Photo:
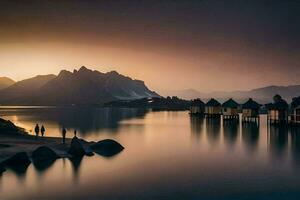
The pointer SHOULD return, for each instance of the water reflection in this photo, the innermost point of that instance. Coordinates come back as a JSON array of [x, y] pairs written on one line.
[[213, 129], [250, 135], [19, 170], [197, 124], [278, 140], [295, 145], [41, 167], [194, 170], [230, 132], [86, 120], [76, 163]]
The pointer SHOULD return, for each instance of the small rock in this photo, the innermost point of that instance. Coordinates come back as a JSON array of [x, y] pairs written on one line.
[[76, 148], [18, 163], [20, 158], [107, 147], [2, 169], [43, 154], [43, 157]]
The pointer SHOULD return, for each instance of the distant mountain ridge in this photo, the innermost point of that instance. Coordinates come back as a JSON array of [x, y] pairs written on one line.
[[81, 86], [5, 82], [263, 94]]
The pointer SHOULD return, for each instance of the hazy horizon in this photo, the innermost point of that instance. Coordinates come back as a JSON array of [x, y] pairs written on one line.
[[204, 45]]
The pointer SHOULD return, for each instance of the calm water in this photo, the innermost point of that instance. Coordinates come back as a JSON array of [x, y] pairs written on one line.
[[168, 155]]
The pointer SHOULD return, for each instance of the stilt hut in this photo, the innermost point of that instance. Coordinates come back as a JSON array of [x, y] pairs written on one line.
[[213, 108], [277, 111], [197, 107], [295, 111], [250, 111], [230, 109]]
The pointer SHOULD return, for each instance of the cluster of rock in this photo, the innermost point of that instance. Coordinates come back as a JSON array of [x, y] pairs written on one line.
[[44, 156], [8, 127]]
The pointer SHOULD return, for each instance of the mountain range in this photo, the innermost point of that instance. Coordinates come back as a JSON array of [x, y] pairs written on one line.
[[83, 86], [5, 82], [263, 94]]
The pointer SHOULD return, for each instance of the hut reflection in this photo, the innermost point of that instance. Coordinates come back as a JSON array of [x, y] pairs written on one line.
[[196, 123], [295, 145], [230, 131], [213, 127], [278, 140], [250, 135]]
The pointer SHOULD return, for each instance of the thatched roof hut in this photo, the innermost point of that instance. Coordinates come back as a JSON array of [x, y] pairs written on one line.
[[213, 108], [250, 110], [278, 110], [295, 102], [251, 105], [229, 109], [230, 104], [295, 110], [197, 102], [197, 107], [213, 103]]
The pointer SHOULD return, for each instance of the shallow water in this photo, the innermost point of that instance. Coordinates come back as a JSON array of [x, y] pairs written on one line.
[[168, 155]]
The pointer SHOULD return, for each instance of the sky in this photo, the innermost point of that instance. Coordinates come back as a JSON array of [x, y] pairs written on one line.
[[207, 45]]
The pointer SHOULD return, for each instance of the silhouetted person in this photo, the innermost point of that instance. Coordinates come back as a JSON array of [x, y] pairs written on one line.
[[43, 130], [64, 133], [75, 133], [37, 130]]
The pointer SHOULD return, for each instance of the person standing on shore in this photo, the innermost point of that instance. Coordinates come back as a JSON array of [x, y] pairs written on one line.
[[64, 133], [43, 130], [37, 130], [75, 133]]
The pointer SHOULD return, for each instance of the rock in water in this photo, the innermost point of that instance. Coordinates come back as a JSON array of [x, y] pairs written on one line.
[[18, 163], [107, 147], [76, 148], [2, 169], [43, 157], [18, 159]]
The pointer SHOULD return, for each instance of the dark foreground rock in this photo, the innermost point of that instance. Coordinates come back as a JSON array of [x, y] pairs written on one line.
[[79, 148], [7, 127], [18, 159], [18, 163], [107, 148], [43, 157], [2, 169]]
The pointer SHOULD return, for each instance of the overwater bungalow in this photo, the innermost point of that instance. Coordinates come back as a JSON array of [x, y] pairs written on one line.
[[295, 111], [197, 107], [250, 111], [277, 111], [213, 108], [230, 109]]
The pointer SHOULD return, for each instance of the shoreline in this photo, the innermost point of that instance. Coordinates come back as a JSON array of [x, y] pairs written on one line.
[[10, 144]]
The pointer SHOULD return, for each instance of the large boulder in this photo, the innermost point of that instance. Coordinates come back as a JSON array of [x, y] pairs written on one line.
[[2, 169], [77, 148], [43, 157], [18, 163], [20, 158], [107, 147]]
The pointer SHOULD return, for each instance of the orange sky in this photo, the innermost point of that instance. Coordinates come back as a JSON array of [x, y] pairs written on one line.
[[170, 45]]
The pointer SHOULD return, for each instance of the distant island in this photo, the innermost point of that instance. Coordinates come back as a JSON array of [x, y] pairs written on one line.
[[156, 103]]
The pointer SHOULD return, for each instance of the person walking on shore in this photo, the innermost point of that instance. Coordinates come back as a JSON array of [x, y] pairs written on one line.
[[37, 130], [43, 130], [64, 133]]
